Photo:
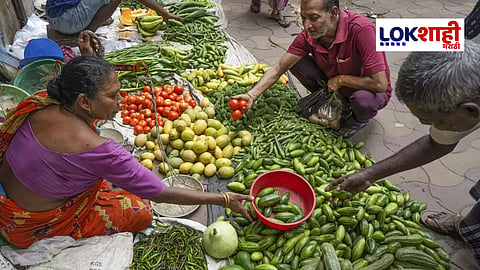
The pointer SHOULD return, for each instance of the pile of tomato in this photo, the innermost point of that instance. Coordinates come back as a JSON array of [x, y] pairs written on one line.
[[138, 111], [236, 107]]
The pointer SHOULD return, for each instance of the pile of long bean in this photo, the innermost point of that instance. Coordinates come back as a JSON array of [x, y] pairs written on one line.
[[170, 248], [195, 33], [160, 58]]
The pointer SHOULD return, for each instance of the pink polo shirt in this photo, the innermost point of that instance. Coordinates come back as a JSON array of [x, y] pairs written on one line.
[[351, 53]]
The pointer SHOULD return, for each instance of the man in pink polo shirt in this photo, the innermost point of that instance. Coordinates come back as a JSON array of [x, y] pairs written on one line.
[[337, 47]]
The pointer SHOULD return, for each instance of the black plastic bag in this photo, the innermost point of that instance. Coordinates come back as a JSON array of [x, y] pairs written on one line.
[[310, 104], [322, 107]]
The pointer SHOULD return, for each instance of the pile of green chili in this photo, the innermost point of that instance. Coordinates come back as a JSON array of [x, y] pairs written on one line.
[[170, 248]]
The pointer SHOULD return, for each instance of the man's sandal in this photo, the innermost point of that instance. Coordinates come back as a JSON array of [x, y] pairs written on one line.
[[349, 130], [441, 222], [282, 21]]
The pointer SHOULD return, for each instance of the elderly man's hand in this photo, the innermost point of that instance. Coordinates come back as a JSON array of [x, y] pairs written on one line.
[[334, 84], [248, 98]]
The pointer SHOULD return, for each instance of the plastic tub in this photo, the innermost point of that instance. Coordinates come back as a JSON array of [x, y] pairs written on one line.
[[36, 75], [301, 193], [10, 96]]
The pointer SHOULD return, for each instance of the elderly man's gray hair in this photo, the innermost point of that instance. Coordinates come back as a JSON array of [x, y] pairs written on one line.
[[440, 81]]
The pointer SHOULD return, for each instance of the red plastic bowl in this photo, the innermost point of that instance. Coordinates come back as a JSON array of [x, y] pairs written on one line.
[[301, 193]]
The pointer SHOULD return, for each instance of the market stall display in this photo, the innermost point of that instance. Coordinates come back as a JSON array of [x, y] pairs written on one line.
[[209, 138]]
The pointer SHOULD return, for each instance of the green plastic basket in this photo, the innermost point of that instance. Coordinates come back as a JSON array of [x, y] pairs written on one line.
[[10, 96], [36, 75]]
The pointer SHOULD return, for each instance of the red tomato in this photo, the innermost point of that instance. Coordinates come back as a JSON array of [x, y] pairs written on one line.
[[179, 98], [133, 122], [167, 102], [121, 106], [148, 96], [159, 101], [174, 108], [141, 116], [172, 115], [160, 110], [147, 104], [147, 89], [192, 103], [183, 105], [142, 122], [148, 113], [125, 113], [166, 111], [126, 120], [147, 129], [134, 115], [123, 93], [157, 90], [137, 130], [237, 114], [243, 103], [168, 88], [164, 94], [132, 107], [151, 123], [178, 89], [140, 100], [131, 99], [233, 104], [187, 97]]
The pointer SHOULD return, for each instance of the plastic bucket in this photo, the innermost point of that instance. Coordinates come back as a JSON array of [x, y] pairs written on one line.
[[301, 193], [36, 75]]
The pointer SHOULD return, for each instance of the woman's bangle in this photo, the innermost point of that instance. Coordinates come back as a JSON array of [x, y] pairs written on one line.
[[226, 196]]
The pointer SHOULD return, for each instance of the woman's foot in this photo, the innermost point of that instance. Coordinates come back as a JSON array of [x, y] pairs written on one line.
[[255, 6], [441, 222], [277, 16]]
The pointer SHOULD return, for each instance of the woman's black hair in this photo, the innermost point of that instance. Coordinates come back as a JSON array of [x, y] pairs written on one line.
[[82, 75]]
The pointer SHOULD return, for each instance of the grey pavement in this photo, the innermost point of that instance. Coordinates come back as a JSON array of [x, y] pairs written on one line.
[[444, 183]]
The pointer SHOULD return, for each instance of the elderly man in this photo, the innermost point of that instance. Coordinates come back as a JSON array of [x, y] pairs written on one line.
[[442, 89], [336, 46]]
